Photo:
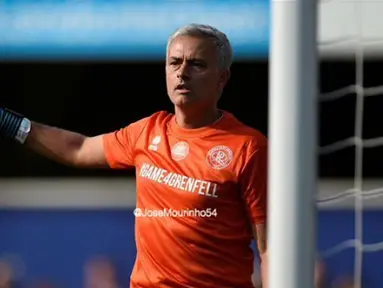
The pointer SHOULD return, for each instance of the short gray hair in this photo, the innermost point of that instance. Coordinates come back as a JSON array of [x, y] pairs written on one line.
[[220, 40]]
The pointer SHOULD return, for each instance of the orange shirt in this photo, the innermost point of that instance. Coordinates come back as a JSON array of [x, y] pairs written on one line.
[[198, 191]]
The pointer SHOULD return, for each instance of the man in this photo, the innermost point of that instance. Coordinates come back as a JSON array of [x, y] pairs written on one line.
[[100, 272], [201, 171]]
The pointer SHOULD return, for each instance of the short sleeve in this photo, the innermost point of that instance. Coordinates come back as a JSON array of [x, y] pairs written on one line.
[[119, 145], [254, 184]]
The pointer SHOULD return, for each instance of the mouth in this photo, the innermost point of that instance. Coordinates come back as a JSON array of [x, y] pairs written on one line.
[[183, 88]]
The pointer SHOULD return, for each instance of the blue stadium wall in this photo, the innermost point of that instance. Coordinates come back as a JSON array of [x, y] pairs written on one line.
[[123, 30], [53, 234]]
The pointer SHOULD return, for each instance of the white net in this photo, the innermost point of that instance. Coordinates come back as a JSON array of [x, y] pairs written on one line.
[[352, 28]]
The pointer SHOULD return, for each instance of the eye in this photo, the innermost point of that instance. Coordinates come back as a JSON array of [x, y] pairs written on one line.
[[198, 64], [174, 61]]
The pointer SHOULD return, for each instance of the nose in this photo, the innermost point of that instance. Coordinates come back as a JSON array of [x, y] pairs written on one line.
[[183, 71]]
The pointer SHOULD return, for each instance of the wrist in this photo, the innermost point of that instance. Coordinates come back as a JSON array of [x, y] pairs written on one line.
[[23, 131]]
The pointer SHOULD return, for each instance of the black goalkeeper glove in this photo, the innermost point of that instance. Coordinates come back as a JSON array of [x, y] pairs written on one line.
[[13, 126]]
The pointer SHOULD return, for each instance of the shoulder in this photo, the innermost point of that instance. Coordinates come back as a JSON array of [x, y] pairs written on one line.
[[159, 118], [133, 130], [156, 119], [249, 138]]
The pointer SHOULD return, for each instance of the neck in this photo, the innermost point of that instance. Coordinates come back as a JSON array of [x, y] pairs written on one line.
[[196, 119]]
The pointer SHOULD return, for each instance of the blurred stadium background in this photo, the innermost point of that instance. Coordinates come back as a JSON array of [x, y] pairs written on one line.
[[95, 66]]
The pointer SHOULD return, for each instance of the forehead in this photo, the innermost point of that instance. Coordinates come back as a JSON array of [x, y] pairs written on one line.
[[192, 47]]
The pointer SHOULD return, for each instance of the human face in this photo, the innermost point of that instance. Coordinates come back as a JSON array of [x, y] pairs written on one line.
[[193, 77]]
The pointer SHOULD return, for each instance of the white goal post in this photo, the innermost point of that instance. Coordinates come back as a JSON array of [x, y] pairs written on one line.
[[293, 144]]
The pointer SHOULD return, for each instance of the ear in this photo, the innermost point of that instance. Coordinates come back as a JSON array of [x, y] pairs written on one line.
[[225, 76]]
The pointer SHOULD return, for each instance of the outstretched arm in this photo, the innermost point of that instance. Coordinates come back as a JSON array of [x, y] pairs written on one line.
[[67, 147], [63, 146]]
